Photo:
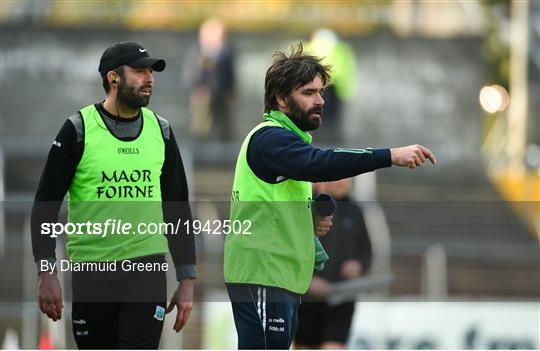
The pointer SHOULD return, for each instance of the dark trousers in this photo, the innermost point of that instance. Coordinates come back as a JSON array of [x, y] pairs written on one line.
[[265, 317], [320, 323], [119, 310]]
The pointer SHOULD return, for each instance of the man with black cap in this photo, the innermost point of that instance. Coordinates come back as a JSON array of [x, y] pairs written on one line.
[[120, 163]]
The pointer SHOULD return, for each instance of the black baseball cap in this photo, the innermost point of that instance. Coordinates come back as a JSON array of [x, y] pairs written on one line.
[[128, 53]]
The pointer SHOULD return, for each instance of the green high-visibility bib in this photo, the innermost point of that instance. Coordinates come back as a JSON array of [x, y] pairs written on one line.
[[279, 252], [117, 183]]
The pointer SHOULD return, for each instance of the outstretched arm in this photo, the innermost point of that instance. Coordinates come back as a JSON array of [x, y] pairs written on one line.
[[275, 152]]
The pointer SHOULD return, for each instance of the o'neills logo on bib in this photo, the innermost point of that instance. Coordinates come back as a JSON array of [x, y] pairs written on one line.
[[128, 150], [125, 185]]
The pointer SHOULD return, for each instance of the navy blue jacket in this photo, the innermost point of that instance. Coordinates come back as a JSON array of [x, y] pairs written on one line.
[[275, 154]]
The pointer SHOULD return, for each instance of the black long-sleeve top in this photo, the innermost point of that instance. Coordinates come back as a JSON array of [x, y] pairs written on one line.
[[62, 161]]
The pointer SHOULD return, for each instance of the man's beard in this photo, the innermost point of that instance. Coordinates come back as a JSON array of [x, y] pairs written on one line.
[[301, 118], [128, 96]]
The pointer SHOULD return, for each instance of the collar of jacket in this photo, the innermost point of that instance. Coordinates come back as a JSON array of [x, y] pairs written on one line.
[[281, 118]]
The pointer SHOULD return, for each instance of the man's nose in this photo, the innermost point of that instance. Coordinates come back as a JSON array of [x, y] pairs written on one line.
[[319, 101], [149, 77]]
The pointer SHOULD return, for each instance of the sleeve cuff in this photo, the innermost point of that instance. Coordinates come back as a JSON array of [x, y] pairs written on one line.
[[382, 158], [45, 264], [185, 271]]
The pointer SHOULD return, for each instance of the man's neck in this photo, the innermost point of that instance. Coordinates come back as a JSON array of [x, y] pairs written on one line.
[[112, 106]]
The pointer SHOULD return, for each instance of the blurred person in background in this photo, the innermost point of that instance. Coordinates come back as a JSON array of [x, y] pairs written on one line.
[[343, 85], [320, 325], [267, 271], [208, 74], [117, 160]]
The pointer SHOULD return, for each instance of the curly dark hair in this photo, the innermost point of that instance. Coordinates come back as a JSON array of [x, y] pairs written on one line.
[[290, 72]]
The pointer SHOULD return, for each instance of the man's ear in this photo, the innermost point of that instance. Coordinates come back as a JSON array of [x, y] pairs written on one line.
[[111, 77], [282, 102]]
